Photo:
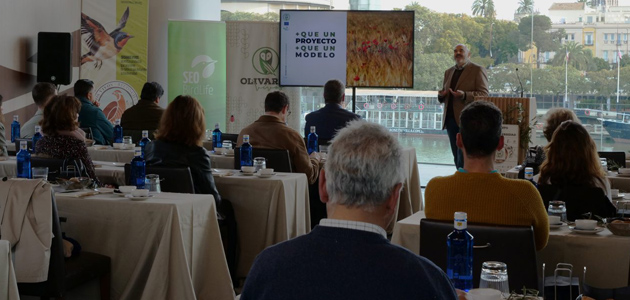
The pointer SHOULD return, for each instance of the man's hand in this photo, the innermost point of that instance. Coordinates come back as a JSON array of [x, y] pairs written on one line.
[[457, 95], [443, 93], [316, 156]]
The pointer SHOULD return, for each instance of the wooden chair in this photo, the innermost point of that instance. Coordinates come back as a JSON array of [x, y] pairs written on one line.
[[513, 245], [278, 159]]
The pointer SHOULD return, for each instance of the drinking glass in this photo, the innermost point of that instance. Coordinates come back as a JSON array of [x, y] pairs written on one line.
[[494, 276], [127, 141], [226, 144], [208, 135], [40, 173], [152, 183], [557, 208], [260, 163]]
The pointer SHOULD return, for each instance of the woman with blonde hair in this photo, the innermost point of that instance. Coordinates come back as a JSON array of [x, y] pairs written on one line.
[[63, 138], [554, 118], [571, 163]]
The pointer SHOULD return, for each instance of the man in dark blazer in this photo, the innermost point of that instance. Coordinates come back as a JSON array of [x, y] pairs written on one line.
[[462, 84], [332, 117], [146, 114]]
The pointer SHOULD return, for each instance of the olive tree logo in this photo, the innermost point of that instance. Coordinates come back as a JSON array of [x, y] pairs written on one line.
[[265, 61]]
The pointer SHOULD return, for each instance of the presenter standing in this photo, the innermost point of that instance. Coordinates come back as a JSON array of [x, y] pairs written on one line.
[[462, 84]]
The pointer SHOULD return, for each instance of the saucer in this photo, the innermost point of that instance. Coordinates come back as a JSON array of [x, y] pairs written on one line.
[[265, 175], [556, 226], [620, 196], [138, 198], [586, 231]]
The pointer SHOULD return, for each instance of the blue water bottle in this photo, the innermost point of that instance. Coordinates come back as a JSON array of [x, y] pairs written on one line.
[[23, 161], [118, 132], [15, 129], [246, 152], [216, 137], [459, 259], [138, 169], [312, 141], [37, 136], [144, 141]]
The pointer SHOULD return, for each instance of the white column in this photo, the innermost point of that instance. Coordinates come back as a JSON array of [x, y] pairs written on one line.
[[160, 11]]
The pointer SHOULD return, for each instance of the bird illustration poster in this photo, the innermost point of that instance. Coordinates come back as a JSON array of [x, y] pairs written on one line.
[[114, 39], [197, 65]]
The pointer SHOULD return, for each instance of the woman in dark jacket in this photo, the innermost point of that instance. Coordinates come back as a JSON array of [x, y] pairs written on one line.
[[179, 144]]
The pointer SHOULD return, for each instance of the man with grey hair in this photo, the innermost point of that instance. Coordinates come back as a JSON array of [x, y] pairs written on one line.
[[348, 256], [332, 117], [462, 84]]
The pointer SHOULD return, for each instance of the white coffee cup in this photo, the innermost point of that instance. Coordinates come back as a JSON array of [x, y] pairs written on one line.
[[140, 193], [267, 171], [614, 193], [585, 224], [126, 189], [218, 150], [484, 294], [248, 169], [554, 220]]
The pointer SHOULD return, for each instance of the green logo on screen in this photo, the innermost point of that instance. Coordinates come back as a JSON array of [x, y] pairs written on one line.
[[265, 61]]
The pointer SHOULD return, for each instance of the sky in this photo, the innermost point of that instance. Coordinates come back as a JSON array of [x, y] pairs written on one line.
[[505, 8]]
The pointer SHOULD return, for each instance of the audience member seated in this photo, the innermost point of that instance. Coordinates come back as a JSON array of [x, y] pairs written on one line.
[[348, 255], [270, 131], [477, 188], [146, 114], [42, 92], [178, 143], [91, 116], [63, 138], [332, 117], [554, 118], [3, 139], [572, 160]]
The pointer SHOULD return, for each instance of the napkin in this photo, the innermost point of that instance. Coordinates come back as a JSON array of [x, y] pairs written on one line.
[[79, 194]]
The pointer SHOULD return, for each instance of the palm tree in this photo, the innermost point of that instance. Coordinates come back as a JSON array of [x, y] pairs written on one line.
[[579, 57], [525, 7], [484, 8]]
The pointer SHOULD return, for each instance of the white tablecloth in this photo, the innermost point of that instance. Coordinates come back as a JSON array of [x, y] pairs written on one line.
[[110, 154], [167, 247], [221, 161], [606, 256], [8, 284]]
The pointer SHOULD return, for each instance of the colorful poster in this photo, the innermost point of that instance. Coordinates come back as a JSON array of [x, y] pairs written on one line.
[[507, 158], [252, 54], [114, 39], [197, 65]]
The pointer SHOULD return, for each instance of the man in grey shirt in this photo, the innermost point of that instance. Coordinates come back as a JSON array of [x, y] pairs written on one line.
[[42, 92]]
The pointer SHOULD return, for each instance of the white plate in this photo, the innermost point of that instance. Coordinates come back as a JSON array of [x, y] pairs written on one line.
[[620, 196], [586, 231], [265, 175], [140, 198], [556, 226], [105, 190]]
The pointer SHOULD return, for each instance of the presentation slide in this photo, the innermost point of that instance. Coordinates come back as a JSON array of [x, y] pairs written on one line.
[[360, 48]]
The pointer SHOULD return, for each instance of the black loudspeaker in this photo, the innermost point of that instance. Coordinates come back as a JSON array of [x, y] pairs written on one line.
[[54, 57]]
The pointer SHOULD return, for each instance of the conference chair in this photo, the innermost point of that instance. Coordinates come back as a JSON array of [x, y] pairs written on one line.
[[513, 245], [67, 273], [579, 200], [136, 135], [229, 137], [59, 167], [278, 159], [618, 157], [172, 179]]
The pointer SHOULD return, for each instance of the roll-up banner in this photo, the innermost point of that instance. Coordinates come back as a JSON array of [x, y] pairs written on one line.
[[197, 65], [114, 42], [252, 54]]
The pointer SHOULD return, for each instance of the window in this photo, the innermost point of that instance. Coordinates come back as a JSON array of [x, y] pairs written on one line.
[[589, 38], [589, 19], [606, 37], [605, 55]]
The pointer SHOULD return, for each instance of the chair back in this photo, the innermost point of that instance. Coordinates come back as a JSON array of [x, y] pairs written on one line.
[[29, 145], [619, 157], [513, 245], [579, 200], [173, 179], [59, 167], [278, 159], [136, 135], [229, 137]]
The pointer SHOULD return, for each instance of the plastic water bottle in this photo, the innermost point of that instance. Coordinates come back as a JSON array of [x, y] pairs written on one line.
[[216, 137], [459, 265], [312, 141], [529, 175], [23, 161], [37, 136], [138, 169], [246, 152], [144, 141], [118, 132], [15, 129]]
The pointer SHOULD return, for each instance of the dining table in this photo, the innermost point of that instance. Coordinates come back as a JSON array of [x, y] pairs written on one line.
[[605, 255], [167, 246]]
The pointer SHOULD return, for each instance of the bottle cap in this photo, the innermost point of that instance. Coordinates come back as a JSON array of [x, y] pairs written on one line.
[[23, 144], [38, 128], [529, 170], [137, 151], [15, 117], [312, 128], [216, 126], [145, 133], [117, 121], [460, 215], [246, 138]]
